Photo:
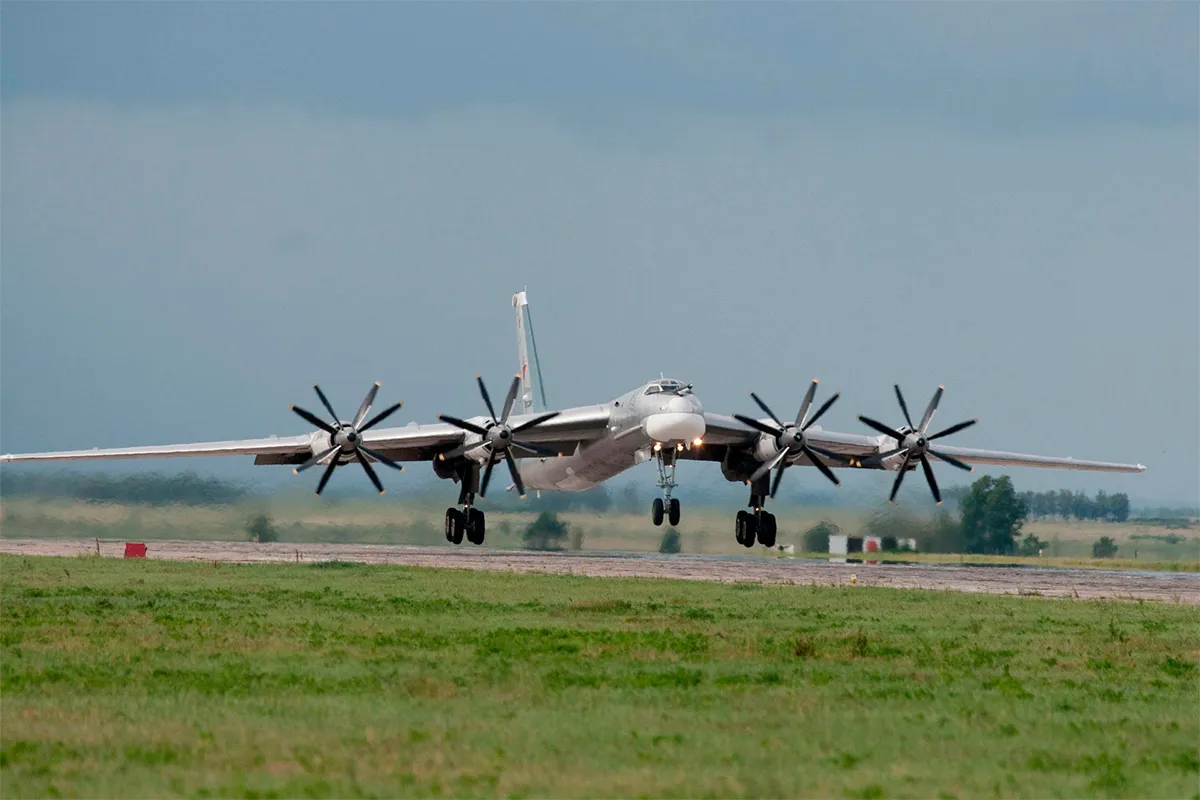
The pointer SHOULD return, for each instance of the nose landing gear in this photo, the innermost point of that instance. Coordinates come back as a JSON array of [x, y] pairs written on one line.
[[665, 506]]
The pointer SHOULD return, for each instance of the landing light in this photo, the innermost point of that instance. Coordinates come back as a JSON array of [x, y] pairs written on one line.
[[697, 442], [679, 447], [657, 446]]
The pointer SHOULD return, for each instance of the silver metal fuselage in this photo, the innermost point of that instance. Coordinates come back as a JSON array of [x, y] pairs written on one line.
[[637, 422]]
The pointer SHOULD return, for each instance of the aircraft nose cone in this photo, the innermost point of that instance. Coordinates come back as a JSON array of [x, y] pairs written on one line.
[[675, 426]]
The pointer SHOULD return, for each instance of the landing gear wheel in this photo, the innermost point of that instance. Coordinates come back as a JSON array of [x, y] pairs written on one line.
[[673, 512], [656, 511], [455, 523], [766, 529], [475, 526], [739, 527], [751, 530]]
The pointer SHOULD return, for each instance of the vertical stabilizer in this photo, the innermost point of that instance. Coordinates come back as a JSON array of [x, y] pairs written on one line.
[[533, 391]]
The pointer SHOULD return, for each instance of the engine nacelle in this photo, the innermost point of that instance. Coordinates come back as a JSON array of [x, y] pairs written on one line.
[[446, 470]]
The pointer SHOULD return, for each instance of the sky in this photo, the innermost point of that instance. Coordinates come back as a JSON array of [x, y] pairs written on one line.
[[204, 208]]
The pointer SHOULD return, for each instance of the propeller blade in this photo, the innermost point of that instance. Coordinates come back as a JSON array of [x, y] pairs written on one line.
[[529, 423], [325, 402], [767, 411], [806, 404], [462, 423], [778, 478], [952, 460], [366, 465], [516, 475], [879, 426], [899, 480], [819, 464], [929, 477], [952, 429], [768, 466], [380, 417], [313, 419], [758, 426], [329, 471], [879, 457], [903, 406], [450, 455], [933, 404], [536, 448], [512, 397], [314, 460], [821, 411], [382, 459], [487, 476], [361, 414], [486, 399]]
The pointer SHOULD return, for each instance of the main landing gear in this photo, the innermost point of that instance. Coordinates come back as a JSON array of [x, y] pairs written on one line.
[[756, 524], [469, 521], [665, 506]]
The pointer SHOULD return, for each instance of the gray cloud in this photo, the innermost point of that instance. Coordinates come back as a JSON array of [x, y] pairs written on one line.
[[185, 273]]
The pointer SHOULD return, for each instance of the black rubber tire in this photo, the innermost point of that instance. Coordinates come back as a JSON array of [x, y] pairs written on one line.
[[766, 529], [448, 525], [657, 511], [673, 512], [459, 526], [751, 531], [476, 527], [739, 527]]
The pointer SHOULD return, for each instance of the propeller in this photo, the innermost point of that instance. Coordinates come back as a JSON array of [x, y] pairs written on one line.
[[345, 438], [914, 442], [498, 436], [790, 439]]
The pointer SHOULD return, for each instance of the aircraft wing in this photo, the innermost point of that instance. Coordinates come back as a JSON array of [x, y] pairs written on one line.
[[412, 442], [723, 430], [972, 456], [727, 431]]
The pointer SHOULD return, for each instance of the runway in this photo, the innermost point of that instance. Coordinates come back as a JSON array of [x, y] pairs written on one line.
[[1172, 587]]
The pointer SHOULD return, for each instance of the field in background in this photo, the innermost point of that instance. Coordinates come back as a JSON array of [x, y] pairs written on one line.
[[703, 530], [167, 679]]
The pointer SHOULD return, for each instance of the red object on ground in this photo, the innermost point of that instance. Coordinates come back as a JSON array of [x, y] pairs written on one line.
[[135, 550]]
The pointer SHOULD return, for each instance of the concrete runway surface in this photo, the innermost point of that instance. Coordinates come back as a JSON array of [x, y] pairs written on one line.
[[1172, 587]]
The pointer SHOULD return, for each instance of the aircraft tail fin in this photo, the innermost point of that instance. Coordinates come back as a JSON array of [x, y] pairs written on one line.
[[533, 390]]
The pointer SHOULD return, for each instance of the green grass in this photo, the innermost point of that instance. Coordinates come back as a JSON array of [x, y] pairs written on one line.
[[145, 678]]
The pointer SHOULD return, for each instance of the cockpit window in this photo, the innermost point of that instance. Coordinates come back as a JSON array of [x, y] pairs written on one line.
[[668, 387]]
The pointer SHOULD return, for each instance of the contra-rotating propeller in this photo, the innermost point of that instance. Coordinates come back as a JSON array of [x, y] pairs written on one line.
[[790, 439], [498, 435], [914, 443], [346, 437]]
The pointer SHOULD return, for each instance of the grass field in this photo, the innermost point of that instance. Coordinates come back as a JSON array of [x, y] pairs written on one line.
[[381, 521], [143, 678]]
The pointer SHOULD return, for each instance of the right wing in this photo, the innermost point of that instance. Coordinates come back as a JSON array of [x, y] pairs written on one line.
[[412, 442]]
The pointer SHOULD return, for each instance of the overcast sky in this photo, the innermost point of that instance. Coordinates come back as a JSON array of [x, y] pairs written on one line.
[[207, 207]]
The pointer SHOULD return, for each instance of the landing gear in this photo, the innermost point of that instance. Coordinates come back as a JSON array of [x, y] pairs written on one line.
[[666, 506], [757, 524], [469, 521]]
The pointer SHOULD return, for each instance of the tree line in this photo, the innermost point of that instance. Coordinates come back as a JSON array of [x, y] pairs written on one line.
[[1067, 504], [146, 488]]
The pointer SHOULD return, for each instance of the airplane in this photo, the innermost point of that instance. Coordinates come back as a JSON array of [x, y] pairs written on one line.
[[574, 449]]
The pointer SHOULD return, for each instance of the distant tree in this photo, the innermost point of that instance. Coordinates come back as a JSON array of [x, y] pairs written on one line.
[[261, 529], [1118, 507], [576, 538], [671, 542], [992, 516], [816, 538], [1104, 547], [1030, 546], [945, 534], [630, 499], [547, 532]]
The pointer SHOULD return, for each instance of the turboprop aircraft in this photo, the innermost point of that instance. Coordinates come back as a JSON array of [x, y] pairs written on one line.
[[574, 449]]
